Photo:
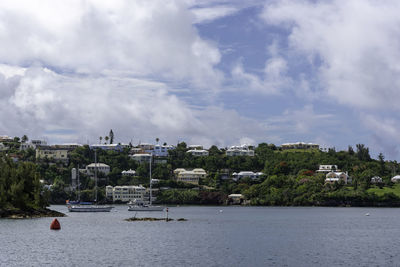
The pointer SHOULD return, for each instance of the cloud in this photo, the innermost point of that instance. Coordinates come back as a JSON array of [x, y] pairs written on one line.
[[208, 14], [273, 79], [353, 47], [140, 38]]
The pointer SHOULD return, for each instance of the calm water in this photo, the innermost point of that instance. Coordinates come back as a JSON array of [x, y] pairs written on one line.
[[212, 236]]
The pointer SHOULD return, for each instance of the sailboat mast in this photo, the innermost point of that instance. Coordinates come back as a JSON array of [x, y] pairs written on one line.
[[95, 175], [151, 196], [79, 187]]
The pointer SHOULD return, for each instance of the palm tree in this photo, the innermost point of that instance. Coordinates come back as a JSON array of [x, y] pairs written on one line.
[[100, 138], [106, 138], [157, 139]]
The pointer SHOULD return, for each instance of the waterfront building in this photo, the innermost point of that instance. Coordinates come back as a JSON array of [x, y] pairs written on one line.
[[299, 145], [327, 168], [246, 174], [242, 150], [198, 152], [190, 176], [235, 199], [101, 168], [126, 193]]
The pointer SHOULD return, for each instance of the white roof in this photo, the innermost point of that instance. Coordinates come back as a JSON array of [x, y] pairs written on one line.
[[98, 165]]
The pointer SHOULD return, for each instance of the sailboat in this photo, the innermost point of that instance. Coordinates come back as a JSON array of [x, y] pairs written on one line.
[[141, 206], [91, 207]]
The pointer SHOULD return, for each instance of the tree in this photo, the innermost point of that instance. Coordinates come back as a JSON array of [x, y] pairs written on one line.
[[24, 139], [106, 138], [381, 158], [157, 139], [100, 138], [111, 135], [363, 152]]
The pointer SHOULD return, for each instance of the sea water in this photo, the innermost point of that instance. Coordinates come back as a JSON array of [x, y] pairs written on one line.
[[211, 236]]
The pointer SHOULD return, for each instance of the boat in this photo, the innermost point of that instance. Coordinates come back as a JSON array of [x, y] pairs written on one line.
[[137, 205], [82, 206]]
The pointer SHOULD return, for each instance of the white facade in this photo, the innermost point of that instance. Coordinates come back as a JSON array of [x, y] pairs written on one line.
[[193, 176], [337, 176], [114, 147], [129, 172], [160, 150], [126, 193], [198, 152], [376, 179], [141, 157], [246, 174], [239, 151], [327, 168], [299, 145], [32, 144], [101, 167], [395, 179]]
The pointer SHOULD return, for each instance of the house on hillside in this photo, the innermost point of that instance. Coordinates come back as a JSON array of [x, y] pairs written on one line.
[[332, 177]]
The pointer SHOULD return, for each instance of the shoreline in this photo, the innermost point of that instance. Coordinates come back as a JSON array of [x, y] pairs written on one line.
[[29, 214]]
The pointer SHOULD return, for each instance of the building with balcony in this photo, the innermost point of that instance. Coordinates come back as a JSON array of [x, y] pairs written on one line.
[[190, 176]]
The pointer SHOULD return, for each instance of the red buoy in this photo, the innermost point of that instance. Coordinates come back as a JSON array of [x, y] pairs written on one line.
[[55, 225]]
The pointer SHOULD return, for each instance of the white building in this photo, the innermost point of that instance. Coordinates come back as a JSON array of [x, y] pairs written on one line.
[[141, 157], [376, 179], [129, 172], [101, 168], [395, 179], [327, 168], [159, 150], [114, 147], [32, 144], [246, 174], [190, 176], [3, 147], [332, 177], [299, 145], [198, 152], [126, 193], [242, 150]]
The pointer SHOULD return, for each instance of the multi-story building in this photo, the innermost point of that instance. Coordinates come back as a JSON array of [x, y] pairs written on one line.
[[299, 145], [101, 168], [52, 153], [5, 138], [198, 152], [141, 157], [242, 150], [126, 193], [33, 144], [189, 176]]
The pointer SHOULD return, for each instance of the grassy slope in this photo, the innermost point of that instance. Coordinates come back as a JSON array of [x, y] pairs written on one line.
[[394, 189]]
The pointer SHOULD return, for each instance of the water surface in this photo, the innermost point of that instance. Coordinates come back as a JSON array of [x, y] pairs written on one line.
[[212, 236]]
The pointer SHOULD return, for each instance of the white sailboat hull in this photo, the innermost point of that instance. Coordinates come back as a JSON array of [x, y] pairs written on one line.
[[145, 208], [89, 208]]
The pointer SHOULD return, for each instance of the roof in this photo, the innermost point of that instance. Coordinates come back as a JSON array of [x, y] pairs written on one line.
[[97, 165]]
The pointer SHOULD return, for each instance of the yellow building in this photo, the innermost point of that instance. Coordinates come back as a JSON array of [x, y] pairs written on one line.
[[51, 153], [191, 177]]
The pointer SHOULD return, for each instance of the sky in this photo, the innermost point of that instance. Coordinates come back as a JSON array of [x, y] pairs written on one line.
[[208, 72]]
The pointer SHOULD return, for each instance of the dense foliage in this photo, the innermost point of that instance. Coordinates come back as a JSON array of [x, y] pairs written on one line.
[[20, 186]]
